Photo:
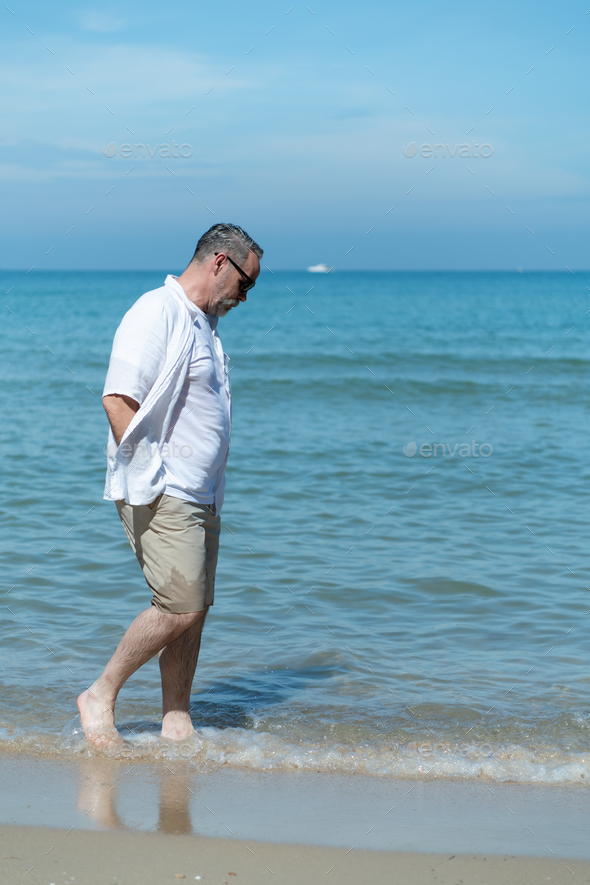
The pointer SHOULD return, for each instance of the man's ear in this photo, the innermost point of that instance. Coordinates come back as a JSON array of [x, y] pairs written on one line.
[[217, 263]]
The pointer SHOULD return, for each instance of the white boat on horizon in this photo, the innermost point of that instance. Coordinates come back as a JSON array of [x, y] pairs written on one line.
[[319, 268]]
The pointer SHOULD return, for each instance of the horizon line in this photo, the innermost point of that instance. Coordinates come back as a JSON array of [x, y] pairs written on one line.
[[266, 270]]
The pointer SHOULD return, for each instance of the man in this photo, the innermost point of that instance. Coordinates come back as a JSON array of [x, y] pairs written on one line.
[[168, 400]]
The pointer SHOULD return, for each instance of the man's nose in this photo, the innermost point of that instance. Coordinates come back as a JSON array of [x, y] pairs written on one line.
[[242, 296]]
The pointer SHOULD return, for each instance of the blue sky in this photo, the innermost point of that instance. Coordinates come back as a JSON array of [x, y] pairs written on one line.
[[297, 118]]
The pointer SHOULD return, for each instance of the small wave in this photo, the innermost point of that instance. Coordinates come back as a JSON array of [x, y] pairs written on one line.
[[211, 748]]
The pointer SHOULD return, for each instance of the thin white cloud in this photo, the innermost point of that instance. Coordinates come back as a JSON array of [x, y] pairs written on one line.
[[99, 22], [130, 80]]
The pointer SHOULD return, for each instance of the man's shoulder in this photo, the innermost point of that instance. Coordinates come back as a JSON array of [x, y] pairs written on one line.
[[154, 307], [163, 298], [157, 315]]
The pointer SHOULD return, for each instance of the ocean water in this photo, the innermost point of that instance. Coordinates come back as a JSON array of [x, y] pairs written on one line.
[[403, 586]]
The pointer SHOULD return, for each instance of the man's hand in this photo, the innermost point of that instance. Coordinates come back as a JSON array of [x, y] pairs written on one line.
[[120, 411]]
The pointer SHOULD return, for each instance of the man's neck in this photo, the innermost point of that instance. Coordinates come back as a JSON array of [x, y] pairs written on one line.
[[195, 288]]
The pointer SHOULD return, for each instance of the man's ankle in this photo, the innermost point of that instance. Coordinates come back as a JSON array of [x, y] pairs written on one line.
[[103, 691]]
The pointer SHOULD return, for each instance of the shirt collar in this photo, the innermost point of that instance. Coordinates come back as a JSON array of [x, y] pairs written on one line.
[[193, 310]]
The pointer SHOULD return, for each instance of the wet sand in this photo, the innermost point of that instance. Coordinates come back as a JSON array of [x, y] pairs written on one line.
[[91, 820]]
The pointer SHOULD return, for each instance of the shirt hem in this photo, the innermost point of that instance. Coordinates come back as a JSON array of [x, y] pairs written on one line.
[[197, 499]]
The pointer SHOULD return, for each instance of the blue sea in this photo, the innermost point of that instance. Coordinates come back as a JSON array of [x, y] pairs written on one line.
[[403, 586]]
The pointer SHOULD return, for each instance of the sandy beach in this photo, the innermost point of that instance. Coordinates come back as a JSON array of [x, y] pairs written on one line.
[[48, 855], [93, 820]]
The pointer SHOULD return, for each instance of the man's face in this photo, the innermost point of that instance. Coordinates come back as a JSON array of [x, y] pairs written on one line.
[[228, 291]]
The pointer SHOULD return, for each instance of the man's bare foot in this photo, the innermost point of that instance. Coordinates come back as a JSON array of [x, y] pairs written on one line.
[[177, 726], [98, 721]]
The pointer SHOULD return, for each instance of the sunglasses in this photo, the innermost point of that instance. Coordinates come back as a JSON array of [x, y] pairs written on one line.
[[250, 283]]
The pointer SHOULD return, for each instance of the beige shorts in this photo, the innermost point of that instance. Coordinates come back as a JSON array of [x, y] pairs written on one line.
[[176, 543]]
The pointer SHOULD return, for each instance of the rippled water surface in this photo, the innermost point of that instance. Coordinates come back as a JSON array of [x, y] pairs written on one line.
[[375, 611]]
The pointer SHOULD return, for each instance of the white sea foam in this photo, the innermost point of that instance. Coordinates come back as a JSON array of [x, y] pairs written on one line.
[[210, 748]]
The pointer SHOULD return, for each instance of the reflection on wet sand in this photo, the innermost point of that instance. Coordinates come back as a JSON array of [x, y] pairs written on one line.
[[174, 816], [96, 794], [99, 786]]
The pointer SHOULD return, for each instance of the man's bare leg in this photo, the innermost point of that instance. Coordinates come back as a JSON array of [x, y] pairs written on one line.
[[151, 631], [178, 662]]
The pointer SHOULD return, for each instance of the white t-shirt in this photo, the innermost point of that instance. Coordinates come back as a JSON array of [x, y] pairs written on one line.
[[196, 447]]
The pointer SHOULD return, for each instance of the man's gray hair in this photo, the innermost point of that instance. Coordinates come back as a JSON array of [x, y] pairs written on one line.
[[228, 238]]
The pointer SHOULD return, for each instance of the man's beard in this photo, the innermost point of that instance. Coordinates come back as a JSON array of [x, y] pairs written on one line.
[[224, 305]]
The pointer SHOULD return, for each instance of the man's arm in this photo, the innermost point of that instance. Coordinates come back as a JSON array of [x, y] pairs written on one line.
[[120, 411]]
